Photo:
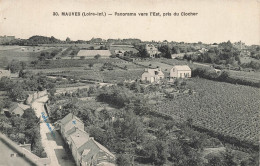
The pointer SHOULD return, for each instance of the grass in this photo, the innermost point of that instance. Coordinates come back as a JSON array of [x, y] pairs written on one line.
[[20, 53]]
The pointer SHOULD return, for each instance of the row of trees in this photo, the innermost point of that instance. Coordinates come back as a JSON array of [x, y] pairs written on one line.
[[17, 90], [224, 54], [224, 77]]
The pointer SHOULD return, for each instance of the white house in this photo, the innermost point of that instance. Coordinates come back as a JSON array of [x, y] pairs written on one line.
[[152, 75], [180, 71]]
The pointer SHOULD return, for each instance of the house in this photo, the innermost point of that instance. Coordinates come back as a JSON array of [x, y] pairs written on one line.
[[203, 50], [121, 49], [152, 75], [218, 71], [18, 109], [68, 123], [5, 73], [85, 150], [90, 54], [151, 50], [180, 71], [119, 52], [90, 152]]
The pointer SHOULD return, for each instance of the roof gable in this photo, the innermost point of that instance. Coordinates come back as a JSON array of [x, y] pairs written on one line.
[[91, 148], [182, 67], [68, 118], [154, 72]]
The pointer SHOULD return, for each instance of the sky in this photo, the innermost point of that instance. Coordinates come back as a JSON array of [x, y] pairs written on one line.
[[216, 21]]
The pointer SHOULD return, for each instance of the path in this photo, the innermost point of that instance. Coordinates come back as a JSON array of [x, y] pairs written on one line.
[[53, 146]]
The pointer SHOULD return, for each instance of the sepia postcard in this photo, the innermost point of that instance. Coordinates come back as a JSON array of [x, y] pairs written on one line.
[[129, 83]]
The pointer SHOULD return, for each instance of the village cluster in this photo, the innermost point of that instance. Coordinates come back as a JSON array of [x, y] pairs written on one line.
[[127, 101]]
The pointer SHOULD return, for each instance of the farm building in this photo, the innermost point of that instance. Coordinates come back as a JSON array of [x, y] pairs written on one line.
[[5, 73], [151, 50], [152, 75], [180, 71], [18, 109], [90, 54], [121, 49]]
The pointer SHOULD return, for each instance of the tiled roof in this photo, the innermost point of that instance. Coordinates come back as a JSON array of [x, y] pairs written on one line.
[[68, 118], [153, 71], [92, 147], [103, 148], [69, 125], [77, 132], [79, 141]]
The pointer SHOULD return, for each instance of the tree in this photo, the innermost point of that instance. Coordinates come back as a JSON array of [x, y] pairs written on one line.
[[82, 57], [156, 152], [123, 160], [90, 65], [224, 76], [166, 51], [176, 153], [98, 134], [97, 56], [229, 158], [175, 50], [67, 40], [17, 93], [215, 161], [15, 66]]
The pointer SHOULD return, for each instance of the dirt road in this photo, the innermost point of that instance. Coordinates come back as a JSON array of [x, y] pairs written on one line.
[[53, 146]]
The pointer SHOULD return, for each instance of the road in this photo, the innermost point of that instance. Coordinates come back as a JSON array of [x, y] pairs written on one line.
[[53, 146]]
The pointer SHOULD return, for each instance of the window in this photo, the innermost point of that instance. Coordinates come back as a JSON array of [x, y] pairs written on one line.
[[181, 75]]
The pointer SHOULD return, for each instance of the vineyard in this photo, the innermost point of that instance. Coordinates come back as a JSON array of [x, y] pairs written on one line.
[[231, 110]]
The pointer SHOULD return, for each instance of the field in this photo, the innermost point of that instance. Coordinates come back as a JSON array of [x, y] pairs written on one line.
[[20, 53], [253, 76], [222, 107]]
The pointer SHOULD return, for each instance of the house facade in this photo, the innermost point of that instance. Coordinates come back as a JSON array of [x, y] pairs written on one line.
[[180, 71], [152, 75], [85, 150], [151, 50]]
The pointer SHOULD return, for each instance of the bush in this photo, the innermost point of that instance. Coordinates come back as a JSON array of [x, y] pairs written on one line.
[[223, 77]]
